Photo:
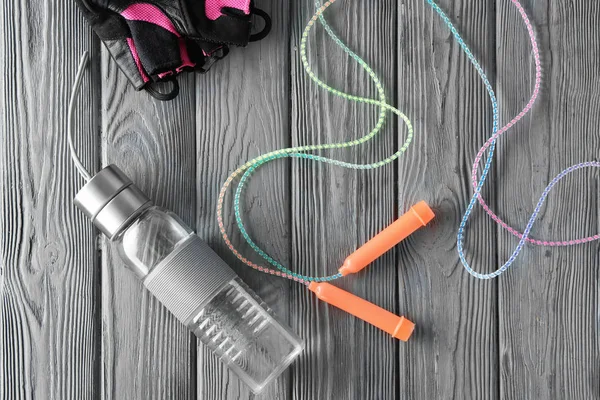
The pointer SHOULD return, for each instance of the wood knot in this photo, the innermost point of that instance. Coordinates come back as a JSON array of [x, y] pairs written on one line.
[[51, 255]]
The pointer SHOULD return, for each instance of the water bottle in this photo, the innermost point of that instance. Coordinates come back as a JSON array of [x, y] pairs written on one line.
[[190, 279]]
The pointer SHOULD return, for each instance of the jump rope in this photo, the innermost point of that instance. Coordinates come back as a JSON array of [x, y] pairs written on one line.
[[245, 171]]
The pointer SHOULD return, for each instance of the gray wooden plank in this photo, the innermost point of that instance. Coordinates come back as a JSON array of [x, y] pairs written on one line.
[[146, 352], [48, 271], [243, 112], [453, 352], [549, 343], [335, 210]]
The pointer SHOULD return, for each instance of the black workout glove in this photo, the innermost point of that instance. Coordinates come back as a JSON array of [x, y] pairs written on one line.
[[155, 40]]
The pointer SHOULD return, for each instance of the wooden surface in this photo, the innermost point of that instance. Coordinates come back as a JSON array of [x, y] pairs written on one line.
[[50, 287], [456, 356], [77, 325]]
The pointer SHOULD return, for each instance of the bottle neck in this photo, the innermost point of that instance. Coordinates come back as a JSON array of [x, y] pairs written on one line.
[[130, 221]]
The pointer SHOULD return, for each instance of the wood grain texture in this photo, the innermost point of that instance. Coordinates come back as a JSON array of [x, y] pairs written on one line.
[[335, 210], [48, 273], [147, 353], [453, 352], [77, 325], [243, 112], [549, 302]]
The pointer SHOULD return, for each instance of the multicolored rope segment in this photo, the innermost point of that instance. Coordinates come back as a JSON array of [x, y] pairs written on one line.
[[245, 171], [490, 145]]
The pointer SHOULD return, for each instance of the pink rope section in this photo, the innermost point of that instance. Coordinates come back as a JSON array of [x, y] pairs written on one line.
[[526, 109]]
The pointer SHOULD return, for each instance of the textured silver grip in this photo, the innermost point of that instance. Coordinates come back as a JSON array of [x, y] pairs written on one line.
[[188, 278]]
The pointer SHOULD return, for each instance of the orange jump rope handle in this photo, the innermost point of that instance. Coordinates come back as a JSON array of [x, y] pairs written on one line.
[[419, 215], [399, 327]]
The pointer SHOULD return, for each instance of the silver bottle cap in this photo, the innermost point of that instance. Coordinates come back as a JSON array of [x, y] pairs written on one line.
[[111, 200]]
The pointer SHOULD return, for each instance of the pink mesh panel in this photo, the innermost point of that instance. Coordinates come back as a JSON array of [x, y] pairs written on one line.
[[213, 7], [149, 13]]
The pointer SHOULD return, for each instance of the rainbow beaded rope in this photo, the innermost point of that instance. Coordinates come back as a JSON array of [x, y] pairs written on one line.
[[490, 146], [301, 152]]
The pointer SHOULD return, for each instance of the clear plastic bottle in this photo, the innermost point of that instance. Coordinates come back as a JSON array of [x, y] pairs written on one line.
[[190, 279]]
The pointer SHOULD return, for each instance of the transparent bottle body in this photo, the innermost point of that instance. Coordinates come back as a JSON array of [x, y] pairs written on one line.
[[150, 238], [240, 329], [233, 321]]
